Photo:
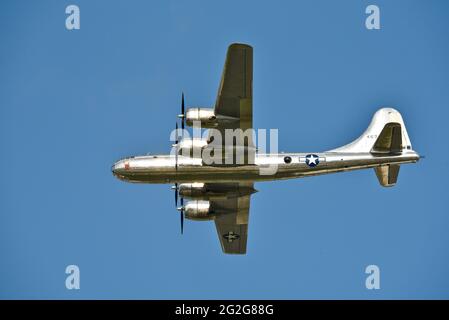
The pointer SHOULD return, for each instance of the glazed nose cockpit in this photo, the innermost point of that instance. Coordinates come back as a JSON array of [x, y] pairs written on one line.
[[119, 168]]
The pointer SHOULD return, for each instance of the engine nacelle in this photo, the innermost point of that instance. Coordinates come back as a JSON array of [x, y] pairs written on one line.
[[192, 190], [198, 210], [191, 147], [205, 116], [200, 190]]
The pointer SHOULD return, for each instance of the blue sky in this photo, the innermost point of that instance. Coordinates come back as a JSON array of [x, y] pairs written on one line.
[[73, 102]]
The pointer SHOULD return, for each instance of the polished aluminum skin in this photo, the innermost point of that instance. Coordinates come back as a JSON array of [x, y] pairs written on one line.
[[360, 154], [161, 168], [222, 192]]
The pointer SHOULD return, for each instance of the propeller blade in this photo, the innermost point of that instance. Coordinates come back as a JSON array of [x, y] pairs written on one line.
[[177, 146], [181, 212], [182, 221], [182, 111], [176, 194]]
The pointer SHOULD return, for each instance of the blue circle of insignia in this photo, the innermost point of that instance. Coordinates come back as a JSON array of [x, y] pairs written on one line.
[[312, 160]]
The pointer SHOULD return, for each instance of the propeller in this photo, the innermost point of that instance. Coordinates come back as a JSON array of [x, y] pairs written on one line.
[[182, 115], [175, 187], [180, 208], [177, 147], [181, 211]]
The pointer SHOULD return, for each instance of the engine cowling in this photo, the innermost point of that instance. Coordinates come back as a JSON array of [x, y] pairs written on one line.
[[191, 147], [205, 116], [190, 190], [198, 210], [200, 190]]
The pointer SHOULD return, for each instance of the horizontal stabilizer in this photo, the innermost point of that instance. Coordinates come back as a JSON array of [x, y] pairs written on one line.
[[387, 174]]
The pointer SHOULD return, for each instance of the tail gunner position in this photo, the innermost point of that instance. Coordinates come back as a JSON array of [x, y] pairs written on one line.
[[221, 192]]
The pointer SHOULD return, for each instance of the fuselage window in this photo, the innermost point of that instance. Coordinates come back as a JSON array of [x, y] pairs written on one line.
[[287, 159]]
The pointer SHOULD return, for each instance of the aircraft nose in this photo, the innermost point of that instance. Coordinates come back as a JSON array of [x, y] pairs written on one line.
[[117, 166], [114, 169]]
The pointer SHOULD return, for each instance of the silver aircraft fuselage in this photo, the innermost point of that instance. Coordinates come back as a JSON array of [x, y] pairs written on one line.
[[267, 167], [222, 192]]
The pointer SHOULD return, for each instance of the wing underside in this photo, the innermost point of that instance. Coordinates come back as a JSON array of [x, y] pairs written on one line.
[[234, 98], [232, 221], [234, 106], [233, 110]]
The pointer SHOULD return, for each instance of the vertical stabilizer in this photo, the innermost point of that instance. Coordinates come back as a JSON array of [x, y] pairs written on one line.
[[387, 129]]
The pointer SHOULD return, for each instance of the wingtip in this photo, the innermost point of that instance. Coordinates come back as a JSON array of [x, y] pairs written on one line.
[[237, 45]]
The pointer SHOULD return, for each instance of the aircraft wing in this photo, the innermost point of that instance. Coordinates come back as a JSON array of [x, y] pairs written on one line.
[[232, 222], [234, 104]]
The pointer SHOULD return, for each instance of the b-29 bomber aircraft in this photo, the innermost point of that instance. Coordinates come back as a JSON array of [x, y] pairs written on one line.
[[221, 190]]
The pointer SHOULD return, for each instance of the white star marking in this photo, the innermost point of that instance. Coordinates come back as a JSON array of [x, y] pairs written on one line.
[[231, 236], [313, 159]]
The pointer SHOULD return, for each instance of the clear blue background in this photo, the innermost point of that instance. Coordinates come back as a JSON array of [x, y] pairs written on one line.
[[73, 102]]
